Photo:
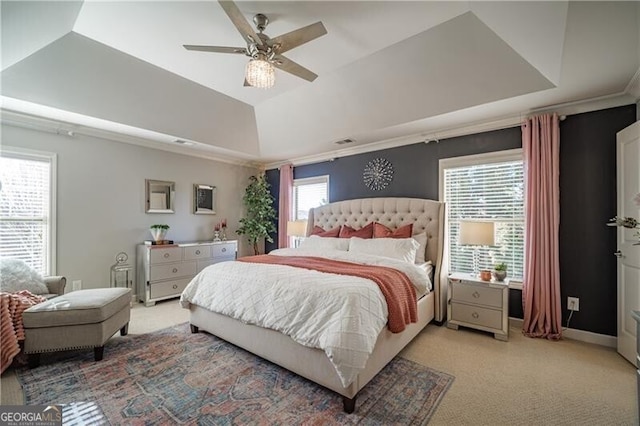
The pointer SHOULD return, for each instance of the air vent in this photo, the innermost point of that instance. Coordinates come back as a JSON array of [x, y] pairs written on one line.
[[345, 141]]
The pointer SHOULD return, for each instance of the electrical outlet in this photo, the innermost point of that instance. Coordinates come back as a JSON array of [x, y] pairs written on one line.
[[573, 303], [76, 285]]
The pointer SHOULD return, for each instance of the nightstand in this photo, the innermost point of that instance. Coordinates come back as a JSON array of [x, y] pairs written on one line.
[[483, 305]]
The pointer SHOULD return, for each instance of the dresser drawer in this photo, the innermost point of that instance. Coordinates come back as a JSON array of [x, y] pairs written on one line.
[[224, 250], [204, 263], [476, 315], [197, 252], [173, 270], [168, 288], [476, 294], [165, 255]]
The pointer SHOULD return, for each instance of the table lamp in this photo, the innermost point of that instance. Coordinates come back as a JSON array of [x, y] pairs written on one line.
[[476, 233], [297, 229]]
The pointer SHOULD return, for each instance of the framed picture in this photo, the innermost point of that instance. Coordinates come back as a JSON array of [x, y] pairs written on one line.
[[204, 199], [159, 196]]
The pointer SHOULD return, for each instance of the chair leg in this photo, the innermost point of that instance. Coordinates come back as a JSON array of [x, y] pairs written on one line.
[[98, 353], [124, 330], [349, 404], [194, 328], [34, 360]]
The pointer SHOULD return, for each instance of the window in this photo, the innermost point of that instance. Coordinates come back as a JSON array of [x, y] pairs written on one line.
[[486, 187], [309, 193], [27, 207]]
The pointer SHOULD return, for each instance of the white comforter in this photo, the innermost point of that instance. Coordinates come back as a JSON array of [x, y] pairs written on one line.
[[339, 314]]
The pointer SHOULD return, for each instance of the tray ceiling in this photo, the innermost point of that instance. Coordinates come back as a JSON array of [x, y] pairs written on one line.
[[386, 69]]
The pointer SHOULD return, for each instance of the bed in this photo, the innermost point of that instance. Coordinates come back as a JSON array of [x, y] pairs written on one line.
[[427, 216]]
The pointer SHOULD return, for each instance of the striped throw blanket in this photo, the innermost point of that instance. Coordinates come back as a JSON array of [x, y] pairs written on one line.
[[396, 287], [12, 305]]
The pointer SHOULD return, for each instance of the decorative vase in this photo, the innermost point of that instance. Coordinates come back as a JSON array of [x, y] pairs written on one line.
[[158, 234], [223, 234], [216, 236], [499, 275], [485, 275]]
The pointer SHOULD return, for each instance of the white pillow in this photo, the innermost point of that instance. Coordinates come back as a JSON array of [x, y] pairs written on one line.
[[395, 248], [422, 250], [15, 275], [325, 243]]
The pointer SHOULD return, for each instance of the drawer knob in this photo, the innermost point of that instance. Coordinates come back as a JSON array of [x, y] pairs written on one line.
[[175, 270], [197, 251], [476, 294], [475, 315], [224, 249], [175, 286], [166, 255]]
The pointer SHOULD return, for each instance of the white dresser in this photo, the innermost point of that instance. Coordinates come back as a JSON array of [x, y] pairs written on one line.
[[483, 305], [165, 270]]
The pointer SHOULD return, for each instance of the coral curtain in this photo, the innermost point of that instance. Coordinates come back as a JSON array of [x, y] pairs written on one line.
[[284, 207], [541, 285]]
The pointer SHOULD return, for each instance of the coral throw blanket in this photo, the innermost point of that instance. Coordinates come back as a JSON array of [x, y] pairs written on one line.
[[12, 305], [397, 288]]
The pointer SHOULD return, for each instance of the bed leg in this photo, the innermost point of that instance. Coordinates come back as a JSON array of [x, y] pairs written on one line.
[[349, 404], [194, 329]]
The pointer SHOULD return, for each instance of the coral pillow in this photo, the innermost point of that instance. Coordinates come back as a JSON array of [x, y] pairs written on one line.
[[320, 232], [381, 231], [364, 232]]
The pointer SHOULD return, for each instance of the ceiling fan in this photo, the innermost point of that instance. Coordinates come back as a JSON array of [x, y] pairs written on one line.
[[265, 52]]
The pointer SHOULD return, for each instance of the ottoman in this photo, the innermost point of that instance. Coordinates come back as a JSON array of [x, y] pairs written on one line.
[[76, 320]]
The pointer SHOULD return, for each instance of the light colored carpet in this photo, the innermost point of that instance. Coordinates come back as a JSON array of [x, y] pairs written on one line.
[[520, 382]]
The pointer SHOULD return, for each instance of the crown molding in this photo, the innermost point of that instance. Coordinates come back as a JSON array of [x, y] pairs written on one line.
[[633, 88], [144, 138], [436, 135]]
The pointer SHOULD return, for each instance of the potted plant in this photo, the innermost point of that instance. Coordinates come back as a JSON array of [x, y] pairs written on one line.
[[158, 231], [500, 271], [259, 223]]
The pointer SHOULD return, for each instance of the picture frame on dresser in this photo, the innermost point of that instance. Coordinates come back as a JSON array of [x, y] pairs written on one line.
[[204, 199]]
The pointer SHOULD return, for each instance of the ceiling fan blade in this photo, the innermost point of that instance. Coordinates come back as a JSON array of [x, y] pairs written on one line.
[[216, 49], [297, 37], [240, 22], [286, 64]]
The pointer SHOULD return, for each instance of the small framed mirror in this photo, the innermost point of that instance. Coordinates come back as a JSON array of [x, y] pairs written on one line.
[[159, 196], [204, 199]]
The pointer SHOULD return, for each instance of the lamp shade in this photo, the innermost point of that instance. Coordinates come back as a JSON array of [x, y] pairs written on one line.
[[475, 233], [297, 228]]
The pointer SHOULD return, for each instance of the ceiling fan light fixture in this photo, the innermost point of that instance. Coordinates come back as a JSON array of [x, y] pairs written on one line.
[[260, 73]]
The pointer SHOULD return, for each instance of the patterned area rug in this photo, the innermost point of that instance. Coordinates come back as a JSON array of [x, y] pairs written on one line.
[[175, 377]]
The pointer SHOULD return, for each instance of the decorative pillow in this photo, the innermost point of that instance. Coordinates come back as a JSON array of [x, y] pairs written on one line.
[[381, 231], [324, 243], [320, 232], [395, 248], [15, 275], [422, 250], [364, 232]]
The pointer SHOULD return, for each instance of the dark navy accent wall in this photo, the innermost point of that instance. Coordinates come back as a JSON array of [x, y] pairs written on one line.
[[587, 200]]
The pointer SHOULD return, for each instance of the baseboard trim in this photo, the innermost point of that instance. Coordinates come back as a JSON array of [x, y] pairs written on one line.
[[573, 334]]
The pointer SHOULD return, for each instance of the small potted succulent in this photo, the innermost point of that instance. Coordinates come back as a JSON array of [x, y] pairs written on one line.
[[500, 271], [158, 231]]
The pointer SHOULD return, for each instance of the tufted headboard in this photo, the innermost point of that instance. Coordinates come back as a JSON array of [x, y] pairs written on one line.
[[426, 216]]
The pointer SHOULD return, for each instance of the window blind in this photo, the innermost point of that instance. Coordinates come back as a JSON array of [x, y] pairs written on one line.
[[24, 210], [491, 192], [309, 193]]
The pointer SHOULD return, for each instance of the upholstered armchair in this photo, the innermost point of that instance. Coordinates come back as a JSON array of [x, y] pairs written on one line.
[[56, 285]]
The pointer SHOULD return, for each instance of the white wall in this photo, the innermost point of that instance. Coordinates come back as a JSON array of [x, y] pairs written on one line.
[[100, 197]]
